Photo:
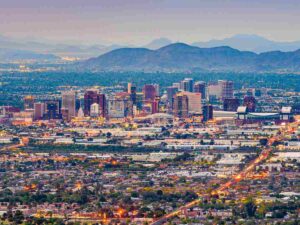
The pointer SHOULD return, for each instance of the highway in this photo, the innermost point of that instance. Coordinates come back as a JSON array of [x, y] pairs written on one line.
[[12, 147]]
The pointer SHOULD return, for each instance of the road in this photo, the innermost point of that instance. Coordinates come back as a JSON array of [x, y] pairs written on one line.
[[12, 147], [234, 180]]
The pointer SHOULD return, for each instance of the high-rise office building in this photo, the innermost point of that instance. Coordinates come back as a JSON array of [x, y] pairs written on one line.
[[187, 85], [39, 109], [231, 104], [226, 89], [78, 104], [207, 113], [52, 110], [120, 106], [139, 100], [91, 97], [194, 102], [133, 94], [28, 102], [149, 92], [200, 87], [250, 103], [69, 104], [116, 108], [171, 91], [155, 105], [214, 91], [102, 105], [181, 106]]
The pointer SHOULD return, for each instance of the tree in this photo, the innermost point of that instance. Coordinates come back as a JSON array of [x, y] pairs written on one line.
[[18, 217], [159, 192], [108, 135], [249, 208], [263, 141]]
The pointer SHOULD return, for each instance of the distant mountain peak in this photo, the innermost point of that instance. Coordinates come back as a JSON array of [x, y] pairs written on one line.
[[182, 57], [250, 42], [158, 43], [177, 45], [250, 36]]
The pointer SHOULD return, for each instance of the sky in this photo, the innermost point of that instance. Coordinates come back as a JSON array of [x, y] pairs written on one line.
[[140, 21]]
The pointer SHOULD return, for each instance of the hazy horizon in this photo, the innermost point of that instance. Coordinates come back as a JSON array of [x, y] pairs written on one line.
[[138, 22]]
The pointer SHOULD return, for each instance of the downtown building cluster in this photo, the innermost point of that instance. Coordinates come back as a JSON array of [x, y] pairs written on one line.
[[196, 101]]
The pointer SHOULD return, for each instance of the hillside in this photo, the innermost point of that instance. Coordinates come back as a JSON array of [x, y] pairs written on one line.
[[183, 57]]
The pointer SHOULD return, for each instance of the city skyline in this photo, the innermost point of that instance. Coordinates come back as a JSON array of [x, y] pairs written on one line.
[[149, 112], [139, 22]]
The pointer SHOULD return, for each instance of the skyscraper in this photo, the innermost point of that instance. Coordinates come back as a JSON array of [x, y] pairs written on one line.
[[102, 105], [69, 104], [214, 91], [156, 86], [200, 87], [181, 106], [52, 110], [133, 94], [194, 102], [139, 100], [149, 92], [91, 97], [155, 105], [187, 84], [171, 91], [226, 89], [39, 109], [28, 102], [207, 113], [120, 106]]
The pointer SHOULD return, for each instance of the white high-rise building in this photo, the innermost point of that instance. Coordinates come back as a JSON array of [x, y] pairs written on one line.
[[95, 110]]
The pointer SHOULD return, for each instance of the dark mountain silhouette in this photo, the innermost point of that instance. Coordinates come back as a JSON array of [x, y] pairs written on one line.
[[183, 57]]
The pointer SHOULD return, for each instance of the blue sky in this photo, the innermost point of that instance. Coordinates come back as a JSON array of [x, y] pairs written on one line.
[[140, 21]]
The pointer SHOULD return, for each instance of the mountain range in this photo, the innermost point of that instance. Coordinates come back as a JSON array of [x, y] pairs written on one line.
[[244, 53], [14, 55], [254, 43], [183, 57], [243, 42]]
